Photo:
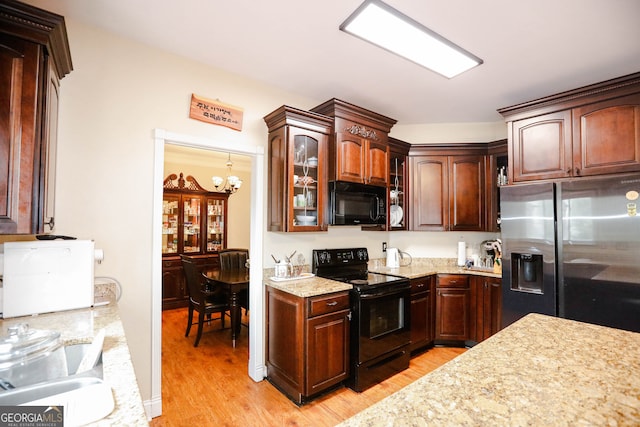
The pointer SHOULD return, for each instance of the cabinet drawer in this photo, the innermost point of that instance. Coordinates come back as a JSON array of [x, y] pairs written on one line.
[[420, 285], [172, 263], [328, 303], [452, 281]]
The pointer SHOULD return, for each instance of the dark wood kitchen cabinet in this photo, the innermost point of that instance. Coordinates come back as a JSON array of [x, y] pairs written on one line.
[[307, 344], [593, 130], [193, 224], [298, 152], [359, 150], [422, 312], [497, 173], [486, 296], [448, 192], [453, 309], [398, 185], [34, 56]]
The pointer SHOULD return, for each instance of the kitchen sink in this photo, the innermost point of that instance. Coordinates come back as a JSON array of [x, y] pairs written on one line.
[[84, 396]]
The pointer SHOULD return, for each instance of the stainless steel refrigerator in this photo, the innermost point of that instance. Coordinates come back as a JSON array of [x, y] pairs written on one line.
[[572, 249]]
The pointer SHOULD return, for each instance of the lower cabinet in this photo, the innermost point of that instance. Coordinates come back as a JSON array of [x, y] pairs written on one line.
[[487, 299], [453, 309], [422, 312], [174, 285], [307, 342]]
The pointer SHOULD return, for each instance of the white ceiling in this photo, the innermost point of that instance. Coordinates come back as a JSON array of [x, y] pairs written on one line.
[[530, 48]]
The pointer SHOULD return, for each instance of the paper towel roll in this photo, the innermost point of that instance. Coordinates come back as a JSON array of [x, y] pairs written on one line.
[[462, 254]]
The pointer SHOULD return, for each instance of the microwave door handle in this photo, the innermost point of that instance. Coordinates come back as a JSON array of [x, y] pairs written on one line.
[[375, 210]]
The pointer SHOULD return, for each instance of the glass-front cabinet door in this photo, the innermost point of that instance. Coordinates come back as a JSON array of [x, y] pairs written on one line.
[[305, 183], [216, 212], [191, 223], [170, 221], [298, 152]]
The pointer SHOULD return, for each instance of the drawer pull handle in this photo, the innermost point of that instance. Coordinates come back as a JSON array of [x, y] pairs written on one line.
[[332, 303]]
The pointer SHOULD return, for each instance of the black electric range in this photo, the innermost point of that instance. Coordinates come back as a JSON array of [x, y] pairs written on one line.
[[380, 315], [351, 266]]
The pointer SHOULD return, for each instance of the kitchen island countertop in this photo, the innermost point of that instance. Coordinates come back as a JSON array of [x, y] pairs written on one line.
[[539, 371]]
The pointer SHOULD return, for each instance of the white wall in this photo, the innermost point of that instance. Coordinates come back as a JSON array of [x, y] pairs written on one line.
[[118, 93]]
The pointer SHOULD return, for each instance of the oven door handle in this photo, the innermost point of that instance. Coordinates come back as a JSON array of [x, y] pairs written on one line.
[[384, 293]]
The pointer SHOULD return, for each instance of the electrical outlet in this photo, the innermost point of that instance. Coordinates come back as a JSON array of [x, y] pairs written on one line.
[[384, 247]]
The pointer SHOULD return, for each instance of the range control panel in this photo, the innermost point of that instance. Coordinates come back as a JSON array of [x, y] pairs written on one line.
[[339, 257]]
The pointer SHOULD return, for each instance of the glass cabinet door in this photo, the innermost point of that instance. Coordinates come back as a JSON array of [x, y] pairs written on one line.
[[305, 181], [215, 224], [170, 214], [191, 224]]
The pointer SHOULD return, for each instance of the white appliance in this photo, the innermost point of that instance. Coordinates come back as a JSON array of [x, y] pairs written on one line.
[[47, 276], [393, 258]]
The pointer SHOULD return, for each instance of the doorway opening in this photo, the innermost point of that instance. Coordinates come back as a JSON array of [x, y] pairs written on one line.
[[256, 363]]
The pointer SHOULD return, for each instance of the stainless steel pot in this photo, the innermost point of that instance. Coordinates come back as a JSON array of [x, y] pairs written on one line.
[[29, 356]]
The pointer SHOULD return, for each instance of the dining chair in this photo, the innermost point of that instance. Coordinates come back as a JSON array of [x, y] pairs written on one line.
[[206, 300], [235, 258]]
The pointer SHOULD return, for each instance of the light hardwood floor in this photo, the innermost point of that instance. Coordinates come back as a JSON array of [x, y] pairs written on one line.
[[209, 385]]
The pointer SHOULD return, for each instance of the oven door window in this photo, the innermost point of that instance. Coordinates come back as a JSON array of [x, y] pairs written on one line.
[[383, 324], [385, 318]]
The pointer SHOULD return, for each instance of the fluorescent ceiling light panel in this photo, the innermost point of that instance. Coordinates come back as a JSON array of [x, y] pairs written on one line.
[[384, 26]]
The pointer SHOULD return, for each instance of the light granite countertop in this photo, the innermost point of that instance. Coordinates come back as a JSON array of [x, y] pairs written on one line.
[[313, 286], [80, 326], [539, 371], [421, 267]]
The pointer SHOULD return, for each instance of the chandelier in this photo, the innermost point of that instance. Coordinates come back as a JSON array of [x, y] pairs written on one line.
[[231, 184]]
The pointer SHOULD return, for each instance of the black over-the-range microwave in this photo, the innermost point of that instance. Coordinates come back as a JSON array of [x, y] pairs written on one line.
[[356, 204]]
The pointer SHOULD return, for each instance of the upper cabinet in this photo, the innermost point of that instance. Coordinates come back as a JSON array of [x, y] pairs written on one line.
[[359, 151], [34, 56], [593, 130], [448, 188], [398, 184], [297, 169], [497, 172]]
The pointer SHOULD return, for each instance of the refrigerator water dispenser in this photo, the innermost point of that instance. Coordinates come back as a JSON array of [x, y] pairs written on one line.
[[527, 273]]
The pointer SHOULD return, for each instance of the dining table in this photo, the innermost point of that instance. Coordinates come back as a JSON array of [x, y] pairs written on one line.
[[234, 281]]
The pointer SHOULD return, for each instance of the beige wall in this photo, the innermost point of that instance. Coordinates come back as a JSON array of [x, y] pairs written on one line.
[[117, 94]]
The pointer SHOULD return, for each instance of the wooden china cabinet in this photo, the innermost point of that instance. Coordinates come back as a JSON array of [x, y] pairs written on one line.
[[34, 56], [194, 224], [297, 170], [359, 151]]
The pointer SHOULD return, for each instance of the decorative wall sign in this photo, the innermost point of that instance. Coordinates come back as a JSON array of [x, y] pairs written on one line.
[[215, 112]]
